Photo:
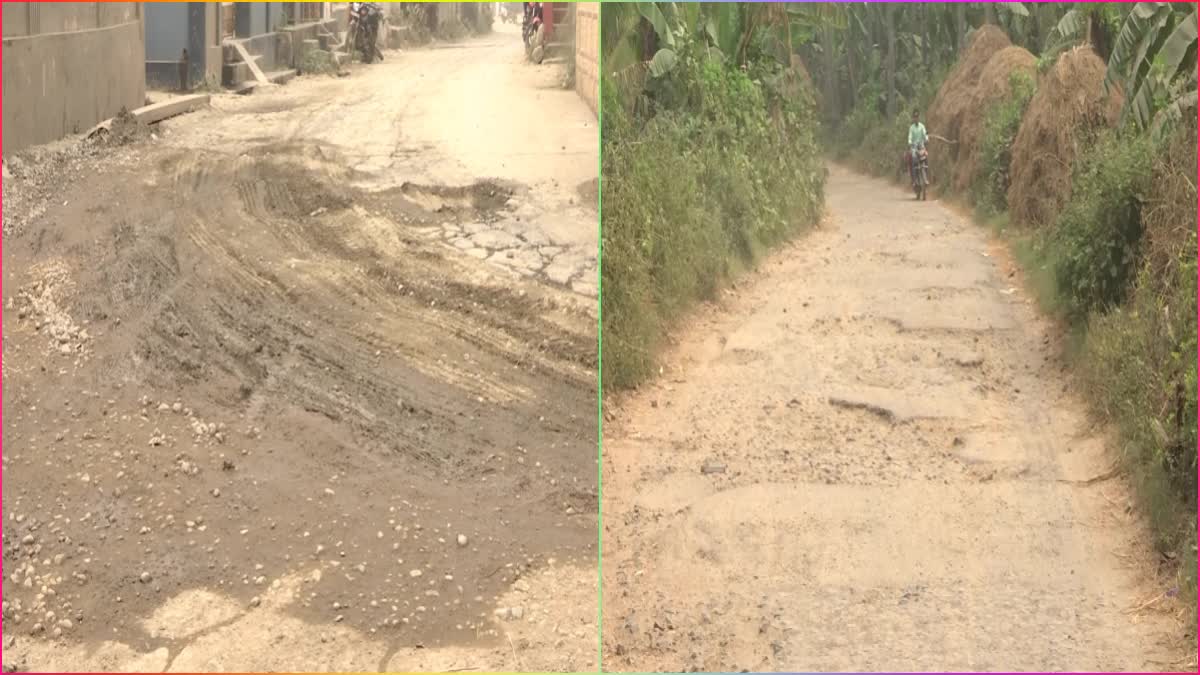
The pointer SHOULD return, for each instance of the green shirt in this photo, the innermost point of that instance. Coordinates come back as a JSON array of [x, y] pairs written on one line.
[[917, 135]]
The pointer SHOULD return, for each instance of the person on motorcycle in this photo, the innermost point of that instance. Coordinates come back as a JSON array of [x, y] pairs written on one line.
[[365, 19], [533, 11], [530, 24], [374, 17], [917, 138]]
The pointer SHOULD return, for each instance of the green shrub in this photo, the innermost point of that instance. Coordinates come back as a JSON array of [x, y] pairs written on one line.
[[884, 145], [1138, 358], [702, 171], [853, 130], [317, 62], [990, 191], [1097, 238], [1139, 365], [1143, 355], [660, 242]]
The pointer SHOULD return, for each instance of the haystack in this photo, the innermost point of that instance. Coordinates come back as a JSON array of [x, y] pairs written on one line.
[[955, 98], [1066, 113], [992, 87]]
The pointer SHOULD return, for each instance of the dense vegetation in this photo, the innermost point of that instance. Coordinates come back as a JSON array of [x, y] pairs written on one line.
[[1112, 249], [709, 156]]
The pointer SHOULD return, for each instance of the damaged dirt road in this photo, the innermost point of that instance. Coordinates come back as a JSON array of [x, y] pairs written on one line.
[[306, 381], [871, 460]]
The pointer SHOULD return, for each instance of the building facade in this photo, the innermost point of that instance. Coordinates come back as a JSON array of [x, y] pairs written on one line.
[[271, 32], [183, 44], [69, 66]]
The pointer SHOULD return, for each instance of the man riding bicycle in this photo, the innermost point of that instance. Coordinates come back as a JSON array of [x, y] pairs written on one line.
[[917, 137]]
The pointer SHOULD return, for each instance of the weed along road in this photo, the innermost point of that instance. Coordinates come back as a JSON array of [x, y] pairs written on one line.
[[306, 380], [869, 457]]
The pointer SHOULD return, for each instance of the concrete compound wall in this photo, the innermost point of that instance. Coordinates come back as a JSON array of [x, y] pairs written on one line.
[[68, 66], [587, 53]]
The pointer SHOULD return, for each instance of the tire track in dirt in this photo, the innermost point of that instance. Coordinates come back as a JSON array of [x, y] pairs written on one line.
[[863, 461], [365, 383]]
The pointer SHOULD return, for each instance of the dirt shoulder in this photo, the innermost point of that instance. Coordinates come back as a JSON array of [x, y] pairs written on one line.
[[869, 458]]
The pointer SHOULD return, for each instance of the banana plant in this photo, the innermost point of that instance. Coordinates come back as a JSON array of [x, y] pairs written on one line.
[[1085, 22], [1154, 62], [729, 28]]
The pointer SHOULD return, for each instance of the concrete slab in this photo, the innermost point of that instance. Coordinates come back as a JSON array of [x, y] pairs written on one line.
[[157, 112]]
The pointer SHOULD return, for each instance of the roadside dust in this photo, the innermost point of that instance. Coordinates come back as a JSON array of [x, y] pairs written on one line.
[[262, 415], [869, 459]]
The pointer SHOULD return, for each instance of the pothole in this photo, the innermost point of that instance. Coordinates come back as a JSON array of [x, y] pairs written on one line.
[[481, 197]]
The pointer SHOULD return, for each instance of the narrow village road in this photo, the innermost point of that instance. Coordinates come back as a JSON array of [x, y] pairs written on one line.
[[869, 458], [306, 381]]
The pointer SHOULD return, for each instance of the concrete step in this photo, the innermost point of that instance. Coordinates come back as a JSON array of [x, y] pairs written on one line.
[[233, 73]]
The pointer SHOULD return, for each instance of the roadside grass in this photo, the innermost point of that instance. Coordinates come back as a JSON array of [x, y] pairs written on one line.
[[698, 184], [317, 62], [1118, 270], [1138, 365], [1037, 264]]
